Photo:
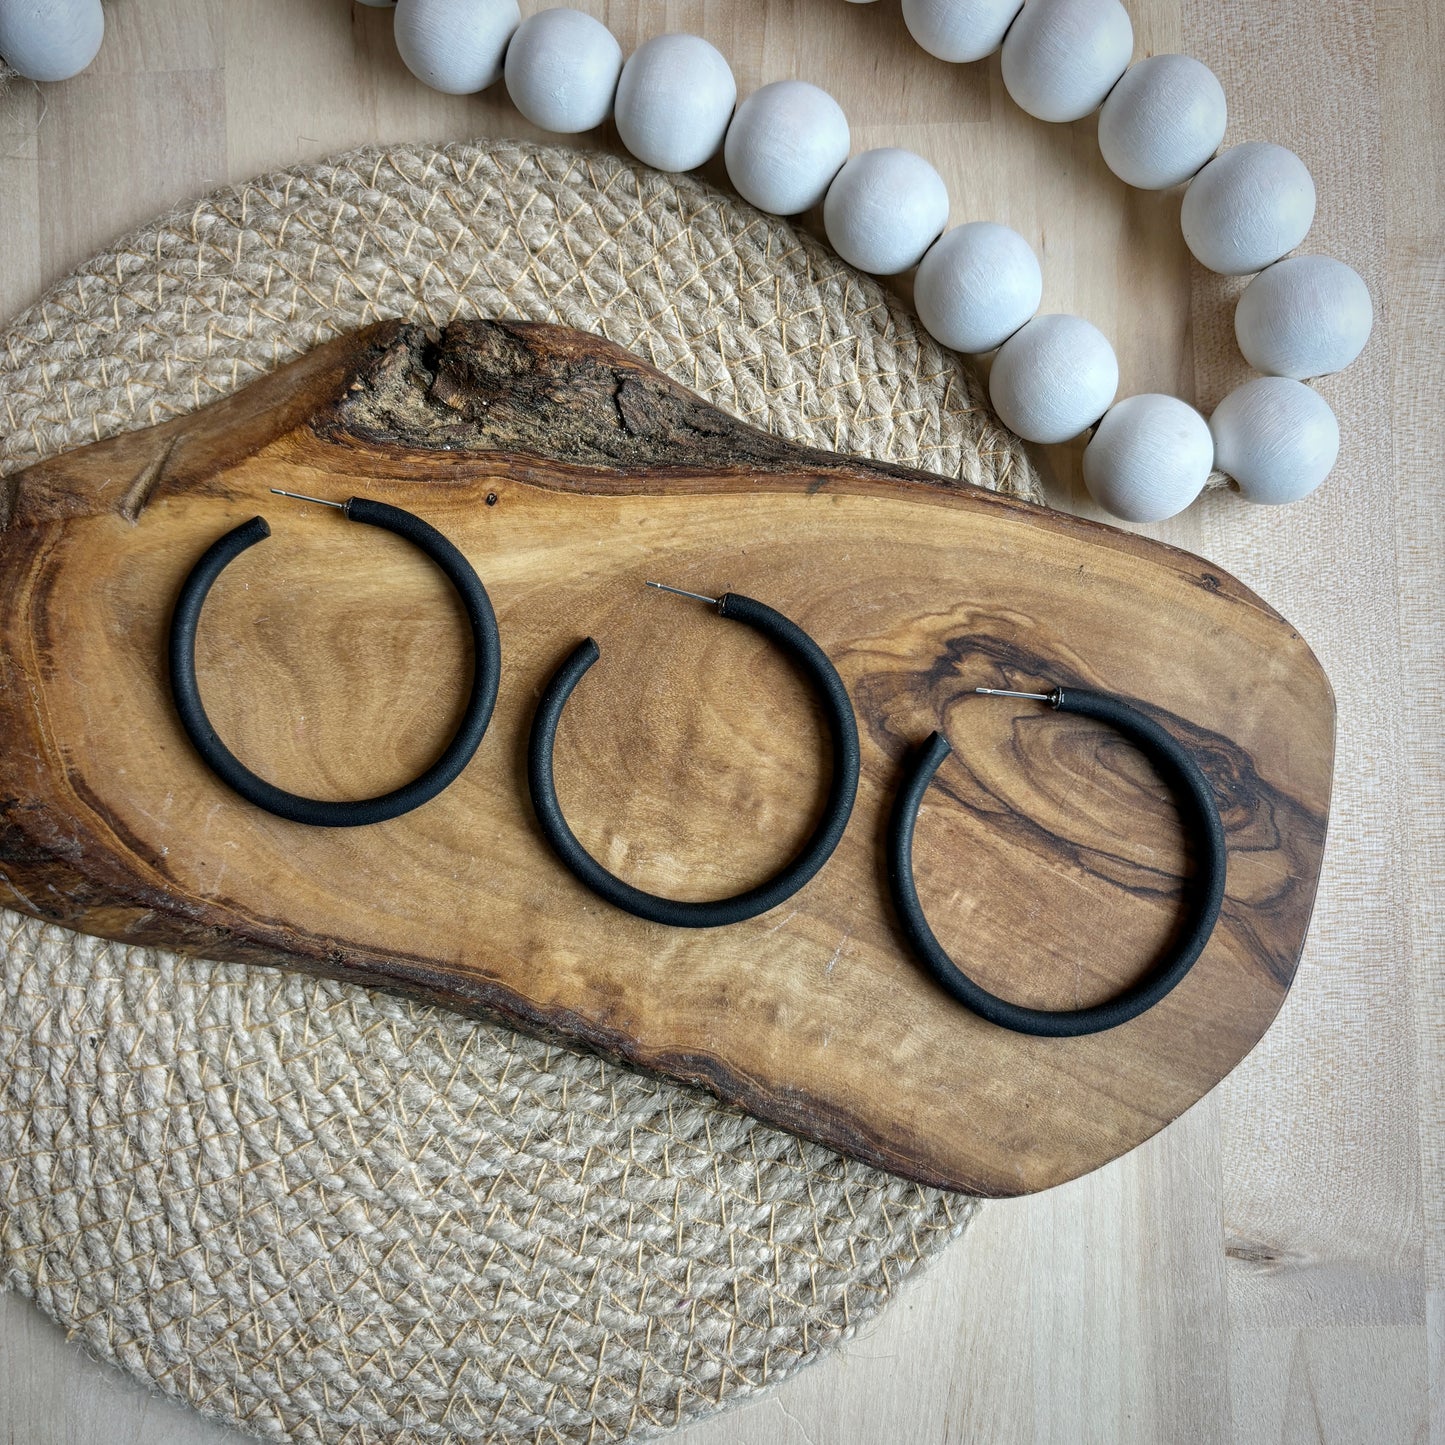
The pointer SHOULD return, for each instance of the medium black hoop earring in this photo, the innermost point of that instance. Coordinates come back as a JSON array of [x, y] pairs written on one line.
[[819, 847], [486, 672], [1195, 800]]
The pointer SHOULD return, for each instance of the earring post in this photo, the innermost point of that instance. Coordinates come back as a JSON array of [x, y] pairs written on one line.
[[682, 592], [1005, 692], [302, 497]]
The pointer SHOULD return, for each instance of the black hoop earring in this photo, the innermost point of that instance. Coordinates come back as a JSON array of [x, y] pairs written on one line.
[[486, 671], [1195, 800], [819, 847]]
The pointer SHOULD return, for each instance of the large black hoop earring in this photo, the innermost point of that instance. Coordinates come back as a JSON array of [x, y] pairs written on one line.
[[819, 847], [1198, 811], [486, 672]]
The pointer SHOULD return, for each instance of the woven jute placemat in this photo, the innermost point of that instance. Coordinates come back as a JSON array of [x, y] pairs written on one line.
[[324, 1214]]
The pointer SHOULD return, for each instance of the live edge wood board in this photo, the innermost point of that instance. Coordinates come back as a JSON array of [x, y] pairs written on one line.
[[692, 759]]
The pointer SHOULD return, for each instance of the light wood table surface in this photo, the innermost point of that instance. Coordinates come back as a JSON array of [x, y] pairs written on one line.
[[1271, 1267]]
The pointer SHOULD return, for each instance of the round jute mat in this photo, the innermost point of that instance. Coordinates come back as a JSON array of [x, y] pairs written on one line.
[[324, 1214]]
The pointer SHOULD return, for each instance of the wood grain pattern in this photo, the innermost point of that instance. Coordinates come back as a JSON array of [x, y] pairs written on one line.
[[691, 761], [1137, 1304]]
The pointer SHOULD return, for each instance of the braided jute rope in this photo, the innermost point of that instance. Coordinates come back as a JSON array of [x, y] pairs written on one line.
[[324, 1214]]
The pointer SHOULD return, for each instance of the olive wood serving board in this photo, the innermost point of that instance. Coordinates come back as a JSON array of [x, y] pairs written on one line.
[[692, 759]]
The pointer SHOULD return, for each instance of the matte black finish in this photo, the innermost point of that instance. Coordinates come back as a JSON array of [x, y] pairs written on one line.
[[1199, 814], [486, 673], [816, 852]]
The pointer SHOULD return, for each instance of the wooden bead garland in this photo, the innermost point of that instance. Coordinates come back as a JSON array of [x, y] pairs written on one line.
[[977, 286]]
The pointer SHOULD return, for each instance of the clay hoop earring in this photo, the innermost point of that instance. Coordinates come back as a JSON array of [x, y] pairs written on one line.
[[723, 911], [318, 813], [1198, 811]]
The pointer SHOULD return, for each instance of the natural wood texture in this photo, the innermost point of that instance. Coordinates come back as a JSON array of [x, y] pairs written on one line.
[[691, 762], [1272, 1267]]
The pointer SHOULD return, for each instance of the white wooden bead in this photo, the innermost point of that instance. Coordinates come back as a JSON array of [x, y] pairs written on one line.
[[1276, 438], [50, 39], [1062, 57], [1247, 207], [959, 30], [1053, 378], [1163, 120], [562, 68], [455, 46], [1304, 316], [976, 286], [1149, 458], [784, 146], [673, 102], [884, 209]]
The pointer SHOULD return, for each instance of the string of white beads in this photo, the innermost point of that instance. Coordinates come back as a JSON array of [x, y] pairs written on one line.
[[1053, 377], [884, 209], [785, 144], [1163, 120], [976, 286], [455, 46], [959, 30], [1247, 208], [1276, 438], [562, 68], [1062, 57], [674, 101], [1149, 458], [1304, 316], [50, 39]]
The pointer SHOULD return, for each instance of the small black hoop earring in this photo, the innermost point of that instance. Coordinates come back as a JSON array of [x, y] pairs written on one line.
[[1195, 800], [815, 853], [317, 813]]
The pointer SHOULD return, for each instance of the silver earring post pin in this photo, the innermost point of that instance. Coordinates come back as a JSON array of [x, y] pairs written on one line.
[[683, 592], [1052, 698], [302, 497]]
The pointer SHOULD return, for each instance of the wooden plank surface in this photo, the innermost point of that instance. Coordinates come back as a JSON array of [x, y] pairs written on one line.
[[1272, 1267], [570, 471]]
